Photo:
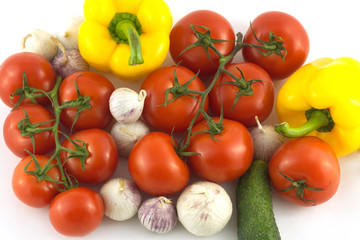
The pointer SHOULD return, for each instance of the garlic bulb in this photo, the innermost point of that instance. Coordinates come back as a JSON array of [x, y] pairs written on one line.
[[67, 62], [126, 105], [158, 214], [68, 35], [121, 197], [127, 134], [266, 141], [204, 208], [40, 42]]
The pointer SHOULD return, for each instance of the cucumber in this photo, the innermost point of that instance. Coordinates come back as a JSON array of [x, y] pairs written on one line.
[[255, 215]]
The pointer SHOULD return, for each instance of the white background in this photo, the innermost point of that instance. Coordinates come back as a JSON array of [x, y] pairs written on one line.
[[333, 28]]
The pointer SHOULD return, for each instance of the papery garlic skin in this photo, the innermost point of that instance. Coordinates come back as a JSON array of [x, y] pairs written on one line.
[[158, 214], [67, 62], [127, 134], [204, 208], [126, 105], [266, 141], [40, 42], [121, 198], [68, 34]]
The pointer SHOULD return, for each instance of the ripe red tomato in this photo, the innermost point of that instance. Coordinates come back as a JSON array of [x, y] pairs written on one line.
[[177, 115], [28, 189], [294, 35], [102, 160], [311, 163], [155, 167], [39, 72], [76, 212], [44, 141], [95, 85], [181, 36], [260, 103], [224, 159]]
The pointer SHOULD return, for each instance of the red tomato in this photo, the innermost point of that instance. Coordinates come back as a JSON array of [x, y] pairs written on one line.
[[99, 88], [28, 189], [177, 115], [224, 159], [44, 141], [260, 103], [155, 167], [76, 212], [38, 70], [294, 35], [181, 36], [311, 163], [101, 162]]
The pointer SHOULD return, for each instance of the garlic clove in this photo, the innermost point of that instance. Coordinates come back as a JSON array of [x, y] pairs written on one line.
[[126, 105], [204, 208], [40, 42], [121, 198], [266, 141], [68, 34], [127, 134], [158, 214], [67, 62]]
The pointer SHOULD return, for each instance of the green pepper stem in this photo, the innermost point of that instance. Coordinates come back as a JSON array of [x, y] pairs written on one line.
[[126, 28], [318, 119]]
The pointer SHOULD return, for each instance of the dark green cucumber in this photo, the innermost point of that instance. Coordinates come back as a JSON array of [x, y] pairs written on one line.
[[255, 216]]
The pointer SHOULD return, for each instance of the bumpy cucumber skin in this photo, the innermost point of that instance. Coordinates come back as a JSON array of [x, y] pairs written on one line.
[[255, 216]]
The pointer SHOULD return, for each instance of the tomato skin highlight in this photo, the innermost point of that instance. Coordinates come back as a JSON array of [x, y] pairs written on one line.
[[177, 115], [76, 212], [224, 159], [155, 167], [181, 36], [92, 84], [101, 163], [39, 72], [294, 35], [44, 141], [28, 189], [259, 104], [308, 158]]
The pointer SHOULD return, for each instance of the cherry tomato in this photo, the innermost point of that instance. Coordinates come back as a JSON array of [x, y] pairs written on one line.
[[294, 35], [181, 36], [306, 163], [155, 167], [39, 73], [224, 159], [28, 189], [102, 160], [177, 115], [95, 85], [44, 141], [260, 103], [76, 212]]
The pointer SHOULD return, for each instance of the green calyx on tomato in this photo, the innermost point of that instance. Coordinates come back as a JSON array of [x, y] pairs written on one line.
[[300, 186], [273, 46]]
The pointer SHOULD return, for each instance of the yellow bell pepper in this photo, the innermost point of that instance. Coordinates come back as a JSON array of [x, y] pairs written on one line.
[[128, 38], [322, 99]]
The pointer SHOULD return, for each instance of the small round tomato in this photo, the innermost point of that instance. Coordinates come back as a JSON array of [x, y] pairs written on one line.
[[305, 171], [155, 167], [76, 212], [92, 84], [182, 36], [259, 103], [102, 160], [26, 186], [224, 158], [39, 73], [290, 30], [44, 141], [176, 115]]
